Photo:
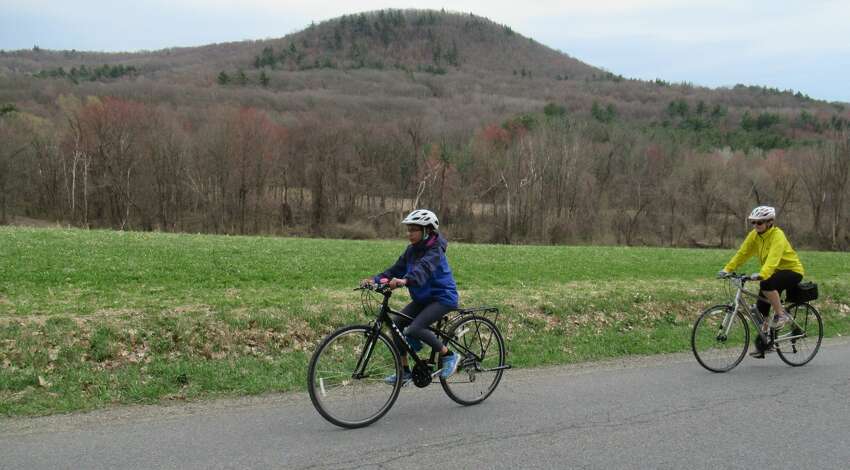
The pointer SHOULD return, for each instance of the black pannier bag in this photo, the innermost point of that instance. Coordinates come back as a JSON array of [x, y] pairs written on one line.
[[803, 292]]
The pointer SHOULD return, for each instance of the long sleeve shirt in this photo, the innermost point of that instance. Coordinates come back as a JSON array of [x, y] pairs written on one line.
[[773, 250]]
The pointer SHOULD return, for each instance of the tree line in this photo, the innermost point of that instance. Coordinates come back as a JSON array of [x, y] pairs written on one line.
[[544, 177]]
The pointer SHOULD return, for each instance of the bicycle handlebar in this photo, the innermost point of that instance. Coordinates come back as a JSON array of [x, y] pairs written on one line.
[[739, 279], [384, 289]]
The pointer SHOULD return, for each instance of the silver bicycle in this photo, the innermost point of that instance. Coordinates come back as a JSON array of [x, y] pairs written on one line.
[[721, 336]]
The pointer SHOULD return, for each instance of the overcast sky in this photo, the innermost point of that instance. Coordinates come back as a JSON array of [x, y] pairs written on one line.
[[801, 45]]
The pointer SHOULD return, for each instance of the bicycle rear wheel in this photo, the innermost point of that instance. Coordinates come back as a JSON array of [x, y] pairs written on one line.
[[482, 360], [342, 395], [720, 338], [808, 324]]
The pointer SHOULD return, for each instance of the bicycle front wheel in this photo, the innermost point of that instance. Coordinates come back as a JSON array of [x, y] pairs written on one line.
[[482, 351], [720, 338], [805, 333], [346, 376]]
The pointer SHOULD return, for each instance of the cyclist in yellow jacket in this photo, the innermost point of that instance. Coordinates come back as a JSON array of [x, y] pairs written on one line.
[[781, 268]]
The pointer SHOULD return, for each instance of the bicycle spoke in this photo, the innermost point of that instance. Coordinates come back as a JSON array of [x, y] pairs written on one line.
[[806, 329], [719, 339], [343, 395], [481, 348]]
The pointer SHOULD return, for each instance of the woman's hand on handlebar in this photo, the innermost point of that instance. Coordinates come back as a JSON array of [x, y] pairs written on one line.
[[395, 283]]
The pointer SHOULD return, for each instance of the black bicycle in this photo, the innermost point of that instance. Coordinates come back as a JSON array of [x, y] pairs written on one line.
[[720, 337], [347, 374]]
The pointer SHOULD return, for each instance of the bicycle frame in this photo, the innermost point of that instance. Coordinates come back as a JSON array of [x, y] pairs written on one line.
[[384, 316], [740, 305]]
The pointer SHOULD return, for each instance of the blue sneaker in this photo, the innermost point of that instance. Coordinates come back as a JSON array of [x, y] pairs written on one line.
[[406, 376], [449, 365]]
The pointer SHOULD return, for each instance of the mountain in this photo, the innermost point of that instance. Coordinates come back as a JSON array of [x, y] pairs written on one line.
[[384, 54], [367, 114]]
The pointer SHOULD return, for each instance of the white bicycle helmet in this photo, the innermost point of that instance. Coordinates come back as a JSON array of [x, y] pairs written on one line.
[[762, 213], [422, 217]]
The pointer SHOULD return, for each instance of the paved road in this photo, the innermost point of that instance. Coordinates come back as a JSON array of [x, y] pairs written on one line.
[[656, 412]]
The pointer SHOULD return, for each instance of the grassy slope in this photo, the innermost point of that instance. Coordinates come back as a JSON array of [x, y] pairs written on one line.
[[89, 318]]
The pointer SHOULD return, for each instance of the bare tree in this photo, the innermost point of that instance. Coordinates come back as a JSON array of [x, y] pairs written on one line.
[[813, 167], [12, 147], [839, 177]]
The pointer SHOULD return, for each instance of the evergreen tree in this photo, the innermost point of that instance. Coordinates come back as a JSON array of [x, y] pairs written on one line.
[[437, 53], [451, 54], [337, 39], [223, 78], [605, 115], [717, 112], [747, 121], [611, 112], [766, 121], [553, 110]]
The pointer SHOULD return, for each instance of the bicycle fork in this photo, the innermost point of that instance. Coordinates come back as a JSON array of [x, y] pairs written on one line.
[[363, 361], [726, 325]]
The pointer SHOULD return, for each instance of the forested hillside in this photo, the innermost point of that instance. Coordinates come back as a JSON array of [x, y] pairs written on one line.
[[340, 128]]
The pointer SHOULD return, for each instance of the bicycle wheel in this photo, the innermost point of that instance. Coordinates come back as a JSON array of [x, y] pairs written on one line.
[[342, 396], [720, 338], [482, 358], [807, 322]]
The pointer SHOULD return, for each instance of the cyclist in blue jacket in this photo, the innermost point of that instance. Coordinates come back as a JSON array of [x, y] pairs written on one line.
[[424, 269]]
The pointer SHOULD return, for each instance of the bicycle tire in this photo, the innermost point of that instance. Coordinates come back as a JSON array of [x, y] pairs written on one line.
[[716, 352], [330, 377], [479, 335], [798, 352]]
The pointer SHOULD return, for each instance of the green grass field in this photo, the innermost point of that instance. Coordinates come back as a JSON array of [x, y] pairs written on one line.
[[91, 318]]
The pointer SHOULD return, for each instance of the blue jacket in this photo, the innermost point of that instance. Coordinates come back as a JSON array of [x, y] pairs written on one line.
[[426, 269]]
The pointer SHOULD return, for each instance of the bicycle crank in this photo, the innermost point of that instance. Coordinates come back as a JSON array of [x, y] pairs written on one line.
[[421, 374]]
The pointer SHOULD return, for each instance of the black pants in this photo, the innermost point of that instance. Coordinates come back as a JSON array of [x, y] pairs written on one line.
[[424, 315], [780, 281]]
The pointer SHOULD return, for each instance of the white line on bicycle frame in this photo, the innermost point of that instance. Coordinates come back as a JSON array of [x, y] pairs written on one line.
[[322, 386], [368, 353], [727, 320], [730, 316], [788, 337]]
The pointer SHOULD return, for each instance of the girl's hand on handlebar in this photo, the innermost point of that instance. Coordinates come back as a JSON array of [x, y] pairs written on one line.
[[396, 283]]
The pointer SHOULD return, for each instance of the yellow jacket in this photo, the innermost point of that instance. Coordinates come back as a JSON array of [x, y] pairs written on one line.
[[774, 252]]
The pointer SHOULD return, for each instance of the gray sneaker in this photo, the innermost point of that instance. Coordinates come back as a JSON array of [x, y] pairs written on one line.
[[780, 320]]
